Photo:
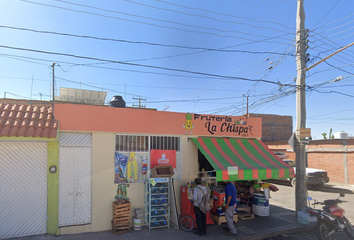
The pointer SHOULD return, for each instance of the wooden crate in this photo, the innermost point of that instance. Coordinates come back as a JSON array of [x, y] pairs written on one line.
[[122, 227], [161, 171], [121, 218], [245, 216], [121, 209], [221, 219]]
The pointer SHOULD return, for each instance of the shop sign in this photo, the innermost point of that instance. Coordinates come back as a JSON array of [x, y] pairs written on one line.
[[163, 157], [305, 132], [219, 125]]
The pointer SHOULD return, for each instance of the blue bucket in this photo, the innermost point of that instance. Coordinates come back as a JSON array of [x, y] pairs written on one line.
[[259, 200]]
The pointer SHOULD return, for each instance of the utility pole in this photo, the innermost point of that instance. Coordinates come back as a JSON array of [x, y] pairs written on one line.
[[247, 106], [300, 147], [53, 65], [140, 99]]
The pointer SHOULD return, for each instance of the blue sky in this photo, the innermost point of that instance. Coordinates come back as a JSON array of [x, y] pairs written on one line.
[[184, 56]]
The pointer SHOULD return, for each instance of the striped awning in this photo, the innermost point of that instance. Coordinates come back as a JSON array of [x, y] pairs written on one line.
[[242, 159]]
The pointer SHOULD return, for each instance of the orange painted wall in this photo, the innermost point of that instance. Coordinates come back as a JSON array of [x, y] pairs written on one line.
[[74, 117]]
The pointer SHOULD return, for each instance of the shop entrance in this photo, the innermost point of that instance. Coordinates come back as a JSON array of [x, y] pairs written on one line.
[[204, 165]]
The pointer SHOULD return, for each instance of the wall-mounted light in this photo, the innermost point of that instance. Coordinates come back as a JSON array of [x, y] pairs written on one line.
[[53, 169]]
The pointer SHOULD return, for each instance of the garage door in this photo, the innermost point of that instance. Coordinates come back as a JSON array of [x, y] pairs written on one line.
[[23, 189]]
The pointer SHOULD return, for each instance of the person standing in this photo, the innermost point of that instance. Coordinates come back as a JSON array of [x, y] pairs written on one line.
[[200, 217], [230, 198]]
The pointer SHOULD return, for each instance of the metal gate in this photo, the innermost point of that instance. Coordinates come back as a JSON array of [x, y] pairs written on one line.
[[23, 189], [74, 179]]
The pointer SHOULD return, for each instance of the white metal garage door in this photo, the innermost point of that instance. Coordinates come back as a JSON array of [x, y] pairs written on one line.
[[23, 189], [74, 179]]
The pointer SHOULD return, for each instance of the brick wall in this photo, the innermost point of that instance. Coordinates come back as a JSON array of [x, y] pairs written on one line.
[[275, 127], [328, 155], [351, 168], [331, 162]]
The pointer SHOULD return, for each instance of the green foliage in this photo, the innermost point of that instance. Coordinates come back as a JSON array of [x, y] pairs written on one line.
[[324, 135]]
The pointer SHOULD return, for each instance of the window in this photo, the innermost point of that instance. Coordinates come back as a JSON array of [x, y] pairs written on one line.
[[142, 144], [132, 143]]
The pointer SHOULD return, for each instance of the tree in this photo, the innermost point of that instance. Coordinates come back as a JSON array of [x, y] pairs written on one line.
[[324, 135]]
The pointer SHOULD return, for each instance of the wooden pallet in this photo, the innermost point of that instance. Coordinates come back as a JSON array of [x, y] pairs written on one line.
[[245, 216], [121, 209], [221, 219]]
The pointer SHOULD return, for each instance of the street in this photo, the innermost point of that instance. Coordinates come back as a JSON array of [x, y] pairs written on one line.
[[285, 198]]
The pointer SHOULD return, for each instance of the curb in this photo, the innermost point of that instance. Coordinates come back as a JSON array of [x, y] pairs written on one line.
[[278, 231]]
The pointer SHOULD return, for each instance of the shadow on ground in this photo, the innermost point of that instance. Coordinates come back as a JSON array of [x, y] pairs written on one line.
[[326, 188], [331, 189]]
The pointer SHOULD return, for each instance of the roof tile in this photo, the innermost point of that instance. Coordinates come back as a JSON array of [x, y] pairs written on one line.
[[27, 121]]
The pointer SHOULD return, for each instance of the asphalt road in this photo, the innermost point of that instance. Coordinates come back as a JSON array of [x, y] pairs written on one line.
[[285, 198], [307, 236]]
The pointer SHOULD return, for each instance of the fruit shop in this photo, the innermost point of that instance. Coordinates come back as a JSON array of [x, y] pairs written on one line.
[[135, 154]]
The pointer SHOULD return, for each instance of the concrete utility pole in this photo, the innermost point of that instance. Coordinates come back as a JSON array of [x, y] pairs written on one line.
[[300, 147]]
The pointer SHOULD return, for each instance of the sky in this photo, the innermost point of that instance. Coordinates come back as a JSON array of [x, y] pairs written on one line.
[[198, 56]]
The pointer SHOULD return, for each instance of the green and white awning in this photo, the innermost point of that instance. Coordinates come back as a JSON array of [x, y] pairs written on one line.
[[242, 159]]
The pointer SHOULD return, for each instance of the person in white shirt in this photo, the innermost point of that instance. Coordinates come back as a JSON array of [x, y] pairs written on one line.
[[200, 217]]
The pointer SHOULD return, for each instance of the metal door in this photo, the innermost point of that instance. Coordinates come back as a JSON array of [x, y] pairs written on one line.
[[74, 179], [23, 189]]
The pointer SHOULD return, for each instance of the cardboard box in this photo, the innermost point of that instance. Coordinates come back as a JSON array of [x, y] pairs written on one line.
[[162, 171]]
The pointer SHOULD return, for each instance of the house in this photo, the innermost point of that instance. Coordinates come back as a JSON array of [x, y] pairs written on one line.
[[76, 166]]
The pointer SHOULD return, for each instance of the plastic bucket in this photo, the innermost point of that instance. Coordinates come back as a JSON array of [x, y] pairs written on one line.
[[259, 200], [137, 224], [262, 211]]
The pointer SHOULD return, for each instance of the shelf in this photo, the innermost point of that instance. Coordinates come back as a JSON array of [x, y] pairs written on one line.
[[208, 178], [156, 201]]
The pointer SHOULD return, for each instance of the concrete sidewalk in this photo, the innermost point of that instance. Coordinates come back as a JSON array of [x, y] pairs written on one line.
[[281, 221]]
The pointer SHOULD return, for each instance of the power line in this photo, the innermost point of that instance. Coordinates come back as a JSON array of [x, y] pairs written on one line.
[[89, 85], [335, 21], [155, 19], [94, 65], [344, 94], [337, 68], [330, 10], [145, 23], [193, 100], [223, 49], [208, 17], [143, 65], [338, 26]]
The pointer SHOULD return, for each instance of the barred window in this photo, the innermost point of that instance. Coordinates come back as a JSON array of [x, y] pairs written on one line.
[[142, 144], [165, 143], [132, 143]]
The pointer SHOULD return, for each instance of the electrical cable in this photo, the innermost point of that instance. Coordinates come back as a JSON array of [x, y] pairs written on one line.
[[337, 68], [151, 24], [327, 13], [338, 20], [222, 14], [207, 17], [141, 65], [94, 65], [223, 49], [159, 20]]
